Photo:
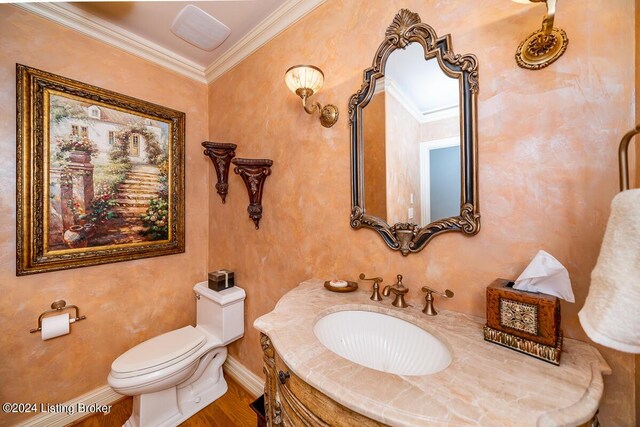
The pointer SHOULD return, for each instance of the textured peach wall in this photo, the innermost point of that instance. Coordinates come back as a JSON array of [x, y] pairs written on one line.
[[125, 303], [375, 159], [439, 129], [403, 163], [547, 159]]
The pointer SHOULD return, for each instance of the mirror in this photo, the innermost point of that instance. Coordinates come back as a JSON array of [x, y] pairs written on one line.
[[413, 138], [411, 132]]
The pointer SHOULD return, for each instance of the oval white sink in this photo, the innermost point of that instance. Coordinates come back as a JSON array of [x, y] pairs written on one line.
[[382, 342]]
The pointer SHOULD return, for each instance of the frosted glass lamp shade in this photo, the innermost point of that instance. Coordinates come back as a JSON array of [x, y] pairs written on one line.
[[304, 79]]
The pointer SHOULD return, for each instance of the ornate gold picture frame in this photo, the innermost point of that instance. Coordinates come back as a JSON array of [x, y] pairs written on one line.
[[100, 175]]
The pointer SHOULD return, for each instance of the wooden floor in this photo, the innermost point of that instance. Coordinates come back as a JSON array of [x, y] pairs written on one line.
[[230, 410]]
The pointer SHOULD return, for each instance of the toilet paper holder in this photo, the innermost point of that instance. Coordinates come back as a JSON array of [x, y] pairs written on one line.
[[56, 307]]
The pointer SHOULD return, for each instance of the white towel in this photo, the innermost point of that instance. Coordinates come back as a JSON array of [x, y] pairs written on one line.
[[611, 313]]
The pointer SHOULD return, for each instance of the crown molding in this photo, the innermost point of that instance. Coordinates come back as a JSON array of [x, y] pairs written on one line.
[[421, 117], [441, 114], [286, 15], [116, 37], [393, 90]]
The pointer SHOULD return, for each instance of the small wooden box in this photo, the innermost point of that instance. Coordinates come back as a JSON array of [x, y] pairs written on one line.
[[525, 321], [221, 280]]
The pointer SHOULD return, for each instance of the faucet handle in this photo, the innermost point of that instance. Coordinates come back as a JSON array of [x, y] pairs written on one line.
[[375, 296], [446, 294], [374, 279], [428, 307], [399, 282], [399, 290]]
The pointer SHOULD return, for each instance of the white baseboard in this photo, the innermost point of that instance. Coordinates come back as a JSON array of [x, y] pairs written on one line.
[[69, 412], [247, 379]]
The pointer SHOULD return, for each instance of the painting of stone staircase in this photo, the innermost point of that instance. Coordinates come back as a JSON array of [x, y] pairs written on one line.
[[133, 198], [134, 193]]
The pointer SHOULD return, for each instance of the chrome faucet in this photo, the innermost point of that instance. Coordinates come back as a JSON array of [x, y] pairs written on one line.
[[399, 290], [428, 309], [375, 296]]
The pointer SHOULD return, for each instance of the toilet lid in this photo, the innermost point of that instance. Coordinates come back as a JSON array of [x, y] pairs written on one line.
[[160, 350]]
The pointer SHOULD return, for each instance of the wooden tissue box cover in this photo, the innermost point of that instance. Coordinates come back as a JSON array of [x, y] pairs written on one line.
[[219, 281], [535, 317]]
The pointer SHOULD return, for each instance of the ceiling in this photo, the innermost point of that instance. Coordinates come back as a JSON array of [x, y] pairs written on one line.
[[152, 21]]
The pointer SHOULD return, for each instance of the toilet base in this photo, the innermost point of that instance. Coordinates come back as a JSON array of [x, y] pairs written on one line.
[[170, 407]]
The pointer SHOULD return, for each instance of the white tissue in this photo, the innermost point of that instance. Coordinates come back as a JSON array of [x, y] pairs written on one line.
[[546, 275], [55, 326]]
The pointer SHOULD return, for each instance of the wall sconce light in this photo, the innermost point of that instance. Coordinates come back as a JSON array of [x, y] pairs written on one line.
[[304, 81], [544, 46]]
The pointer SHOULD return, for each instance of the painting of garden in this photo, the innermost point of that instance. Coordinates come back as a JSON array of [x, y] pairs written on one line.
[[108, 176]]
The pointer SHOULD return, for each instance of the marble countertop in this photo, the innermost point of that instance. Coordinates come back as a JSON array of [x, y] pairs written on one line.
[[485, 385]]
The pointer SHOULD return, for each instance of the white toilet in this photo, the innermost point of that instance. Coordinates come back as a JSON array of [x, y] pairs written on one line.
[[176, 374]]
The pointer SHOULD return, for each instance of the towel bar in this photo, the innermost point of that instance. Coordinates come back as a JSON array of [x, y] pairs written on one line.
[[623, 159]]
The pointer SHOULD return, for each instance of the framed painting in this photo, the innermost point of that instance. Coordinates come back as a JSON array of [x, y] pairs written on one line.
[[100, 175]]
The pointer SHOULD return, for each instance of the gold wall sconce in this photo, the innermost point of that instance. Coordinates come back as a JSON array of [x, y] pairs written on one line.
[[544, 46], [304, 81]]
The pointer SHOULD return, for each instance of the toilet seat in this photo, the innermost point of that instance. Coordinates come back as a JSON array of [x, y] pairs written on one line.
[[159, 353], [163, 365]]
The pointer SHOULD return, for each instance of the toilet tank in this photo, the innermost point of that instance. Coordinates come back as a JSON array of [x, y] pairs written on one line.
[[220, 313]]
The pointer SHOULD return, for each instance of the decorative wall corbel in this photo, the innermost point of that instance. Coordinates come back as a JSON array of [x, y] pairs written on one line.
[[220, 154], [253, 173]]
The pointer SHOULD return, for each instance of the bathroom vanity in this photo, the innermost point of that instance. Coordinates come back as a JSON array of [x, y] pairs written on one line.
[[483, 385]]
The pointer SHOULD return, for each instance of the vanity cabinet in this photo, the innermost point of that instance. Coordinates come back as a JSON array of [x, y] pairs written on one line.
[[289, 401], [484, 386]]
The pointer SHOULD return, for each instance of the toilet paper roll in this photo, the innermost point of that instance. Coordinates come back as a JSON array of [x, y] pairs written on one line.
[[55, 326]]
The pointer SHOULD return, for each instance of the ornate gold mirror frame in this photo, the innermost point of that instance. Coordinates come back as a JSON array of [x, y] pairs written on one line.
[[409, 237]]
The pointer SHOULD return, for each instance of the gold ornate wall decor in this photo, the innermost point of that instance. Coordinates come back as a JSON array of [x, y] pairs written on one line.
[[408, 237], [544, 46], [100, 175]]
